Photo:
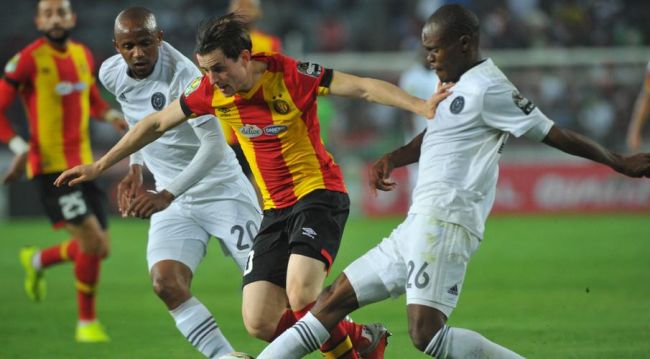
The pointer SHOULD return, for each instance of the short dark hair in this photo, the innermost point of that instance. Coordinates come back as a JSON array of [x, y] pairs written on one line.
[[455, 21], [228, 33]]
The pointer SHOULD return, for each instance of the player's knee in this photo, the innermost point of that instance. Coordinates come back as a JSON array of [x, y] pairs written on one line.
[[259, 328], [94, 242], [300, 296], [422, 333], [171, 290]]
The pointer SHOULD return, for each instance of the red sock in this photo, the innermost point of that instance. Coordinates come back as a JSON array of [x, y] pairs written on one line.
[[339, 345], [62, 252], [286, 321], [87, 273]]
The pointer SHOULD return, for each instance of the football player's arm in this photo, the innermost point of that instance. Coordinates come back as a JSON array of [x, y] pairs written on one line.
[[379, 176], [565, 140], [144, 132], [639, 118], [17, 144], [385, 93], [209, 154]]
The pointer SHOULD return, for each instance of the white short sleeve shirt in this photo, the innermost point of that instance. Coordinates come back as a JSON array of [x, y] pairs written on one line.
[[463, 143]]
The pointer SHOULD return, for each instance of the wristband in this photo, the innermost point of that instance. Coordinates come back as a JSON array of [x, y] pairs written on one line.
[[18, 146]]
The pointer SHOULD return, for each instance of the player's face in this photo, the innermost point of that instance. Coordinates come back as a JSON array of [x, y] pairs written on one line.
[[55, 19], [444, 55], [228, 75], [139, 48]]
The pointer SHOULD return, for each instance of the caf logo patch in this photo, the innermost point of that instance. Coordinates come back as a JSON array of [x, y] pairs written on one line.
[[192, 86], [158, 101], [281, 106], [457, 105], [310, 68], [523, 103]]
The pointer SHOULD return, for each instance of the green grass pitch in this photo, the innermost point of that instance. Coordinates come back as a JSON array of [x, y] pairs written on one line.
[[566, 286]]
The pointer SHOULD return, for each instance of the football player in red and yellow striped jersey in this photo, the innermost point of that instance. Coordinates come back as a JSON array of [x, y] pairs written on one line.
[[270, 101], [54, 77], [250, 12]]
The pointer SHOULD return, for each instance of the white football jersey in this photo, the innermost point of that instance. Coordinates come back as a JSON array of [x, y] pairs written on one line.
[[463, 143], [170, 154]]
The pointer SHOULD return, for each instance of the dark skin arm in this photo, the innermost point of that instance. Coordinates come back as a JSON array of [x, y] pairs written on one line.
[[379, 174], [637, 165]]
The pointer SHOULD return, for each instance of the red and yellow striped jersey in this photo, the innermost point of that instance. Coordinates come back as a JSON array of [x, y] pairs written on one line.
[[59, 93], [277, 127], [262, 42]]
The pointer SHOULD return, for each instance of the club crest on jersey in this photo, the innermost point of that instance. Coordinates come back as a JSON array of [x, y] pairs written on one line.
[[310, 69], [12, 64], [251, 131], [158, 101], [457, 105], [523, 103], [192, 86], [281, 106], [274, 130]]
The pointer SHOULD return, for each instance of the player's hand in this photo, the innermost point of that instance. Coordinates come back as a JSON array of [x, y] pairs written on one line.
[[637, 165], [149, 202], [442, 92], [116, 119], [16, 169], [128, 188], [78, 174], [379, 176]]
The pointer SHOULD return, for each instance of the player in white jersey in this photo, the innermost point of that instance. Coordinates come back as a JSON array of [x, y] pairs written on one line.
[[200, 188], [640, 114], [427, 255]]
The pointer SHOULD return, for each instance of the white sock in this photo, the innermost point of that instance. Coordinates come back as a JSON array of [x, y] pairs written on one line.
[[198, 326], [36, 261], [451, 343], [304, 337]]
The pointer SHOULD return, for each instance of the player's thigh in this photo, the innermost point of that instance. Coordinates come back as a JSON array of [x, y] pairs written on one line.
[[173, 235], [234, 223], [436, 254], [380, 273], [305, 278], [268, 259]]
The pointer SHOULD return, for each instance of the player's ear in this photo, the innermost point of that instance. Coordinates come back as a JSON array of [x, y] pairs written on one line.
[[159, 36], [115, 46], [465, 42], [245, 56]]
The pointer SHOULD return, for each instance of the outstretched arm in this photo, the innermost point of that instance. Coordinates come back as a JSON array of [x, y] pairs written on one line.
[[210, 153], [379, 176], [385, 93], [639, 118], [143, 133], [637, 165]]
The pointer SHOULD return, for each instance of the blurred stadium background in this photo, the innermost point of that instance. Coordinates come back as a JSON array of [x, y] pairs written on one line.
[[566, 225]]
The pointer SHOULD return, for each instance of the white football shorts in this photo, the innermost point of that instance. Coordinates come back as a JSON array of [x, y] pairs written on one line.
[[181, 231], [424, 257]]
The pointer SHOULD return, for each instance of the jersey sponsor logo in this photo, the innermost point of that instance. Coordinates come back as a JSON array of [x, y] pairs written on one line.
[[274, 129], [64, 88], [457, 105], [251, 131], [158, 101], [281, 106], [12, 64], [524, 104], [310, 69], [192, 86]]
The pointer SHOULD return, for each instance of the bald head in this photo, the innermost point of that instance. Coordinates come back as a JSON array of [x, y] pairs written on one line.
[[135, 19]]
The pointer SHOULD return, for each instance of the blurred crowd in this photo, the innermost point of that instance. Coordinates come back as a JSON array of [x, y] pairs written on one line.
[[594, 99]]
